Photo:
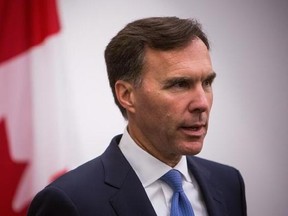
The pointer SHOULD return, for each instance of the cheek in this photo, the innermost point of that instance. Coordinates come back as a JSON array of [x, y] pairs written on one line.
[[149, 106], [160, 107], [151, 100]]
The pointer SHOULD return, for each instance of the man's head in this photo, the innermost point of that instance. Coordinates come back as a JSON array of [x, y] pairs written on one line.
[[125, 53], [161, 75]]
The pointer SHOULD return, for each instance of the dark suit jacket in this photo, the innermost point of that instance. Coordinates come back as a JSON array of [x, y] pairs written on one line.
[[107, 185]]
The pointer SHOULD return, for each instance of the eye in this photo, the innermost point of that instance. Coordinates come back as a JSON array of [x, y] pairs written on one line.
[[207, 83], [178, 84], [181, 84]]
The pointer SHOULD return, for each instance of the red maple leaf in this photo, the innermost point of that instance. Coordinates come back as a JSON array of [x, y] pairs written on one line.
[[11, 172]]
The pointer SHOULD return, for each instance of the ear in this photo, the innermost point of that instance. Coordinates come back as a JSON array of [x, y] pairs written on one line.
[[125, 95]]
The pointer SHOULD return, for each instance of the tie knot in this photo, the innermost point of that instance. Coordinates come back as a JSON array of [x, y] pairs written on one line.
[[173, 179]]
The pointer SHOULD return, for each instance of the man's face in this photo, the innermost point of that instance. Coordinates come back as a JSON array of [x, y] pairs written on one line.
[[172, 105]]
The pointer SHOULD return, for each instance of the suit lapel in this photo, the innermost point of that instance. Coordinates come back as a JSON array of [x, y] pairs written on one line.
[[211, 192], [130, 197]]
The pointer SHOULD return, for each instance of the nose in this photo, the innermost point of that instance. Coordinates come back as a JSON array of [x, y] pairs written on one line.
[[201, 100]]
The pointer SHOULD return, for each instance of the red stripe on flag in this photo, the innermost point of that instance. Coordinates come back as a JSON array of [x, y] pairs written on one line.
[[11, 172], [24, 24]]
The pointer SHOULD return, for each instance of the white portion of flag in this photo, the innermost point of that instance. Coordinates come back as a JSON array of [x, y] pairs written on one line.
[[48, 142]]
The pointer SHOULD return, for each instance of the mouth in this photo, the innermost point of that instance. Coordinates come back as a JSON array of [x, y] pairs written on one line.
[[197, 130]]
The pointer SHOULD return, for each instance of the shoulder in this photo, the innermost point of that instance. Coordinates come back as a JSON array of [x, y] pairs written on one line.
[[85, 173], [90, 173], [75, 192], [217, 174], [81, 191], [211, 166], [222, 181], [52, 201]]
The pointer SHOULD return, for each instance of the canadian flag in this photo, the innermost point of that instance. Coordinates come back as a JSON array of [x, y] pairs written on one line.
[[36, 125]]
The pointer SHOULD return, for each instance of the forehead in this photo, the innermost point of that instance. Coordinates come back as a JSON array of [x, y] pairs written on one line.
[[194, 58]]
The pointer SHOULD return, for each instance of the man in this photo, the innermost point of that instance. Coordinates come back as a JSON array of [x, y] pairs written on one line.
[[161, 77]]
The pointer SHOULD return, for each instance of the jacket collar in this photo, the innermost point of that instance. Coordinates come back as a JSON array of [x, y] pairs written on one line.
[[211, 191], [130, 197]]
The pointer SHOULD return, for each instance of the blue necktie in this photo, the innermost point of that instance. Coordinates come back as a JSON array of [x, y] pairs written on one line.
[[180, 205]]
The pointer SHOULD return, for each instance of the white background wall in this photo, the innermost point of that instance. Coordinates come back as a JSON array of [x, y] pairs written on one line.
[[248, 126]]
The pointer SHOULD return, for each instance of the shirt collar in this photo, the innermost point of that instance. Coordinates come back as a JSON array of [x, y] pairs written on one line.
[[148, 168]]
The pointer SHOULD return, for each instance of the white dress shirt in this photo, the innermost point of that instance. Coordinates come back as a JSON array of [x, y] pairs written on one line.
[[149, 170]]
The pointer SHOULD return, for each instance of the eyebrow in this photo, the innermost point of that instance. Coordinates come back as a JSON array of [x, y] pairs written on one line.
[[211, 76], [174, 80]]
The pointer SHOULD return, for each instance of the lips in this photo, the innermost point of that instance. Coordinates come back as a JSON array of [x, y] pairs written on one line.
[[195, 130]]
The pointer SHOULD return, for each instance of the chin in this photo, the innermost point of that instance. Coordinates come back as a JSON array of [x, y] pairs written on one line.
[[194, 152], [192, 148]]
